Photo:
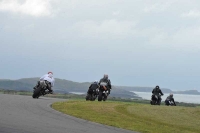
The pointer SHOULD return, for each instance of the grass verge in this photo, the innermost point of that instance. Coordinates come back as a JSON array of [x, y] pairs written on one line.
[[135, 116]]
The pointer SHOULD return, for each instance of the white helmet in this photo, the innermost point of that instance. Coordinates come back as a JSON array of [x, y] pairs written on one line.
[[50, 74], [105, 76]]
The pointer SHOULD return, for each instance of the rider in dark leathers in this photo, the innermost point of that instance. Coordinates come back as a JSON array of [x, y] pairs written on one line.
[[170, 99], [157, 91], [105, 79]]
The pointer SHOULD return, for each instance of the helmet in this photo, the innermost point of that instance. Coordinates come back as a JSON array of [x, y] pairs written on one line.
[[157, 87], [50, 72], [171, 94], [105, 76]]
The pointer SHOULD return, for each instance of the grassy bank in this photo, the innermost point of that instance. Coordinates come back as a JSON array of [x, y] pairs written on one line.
[[135, 116]]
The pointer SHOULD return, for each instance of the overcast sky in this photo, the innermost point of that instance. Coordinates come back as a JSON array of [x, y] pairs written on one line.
[[136, 42]]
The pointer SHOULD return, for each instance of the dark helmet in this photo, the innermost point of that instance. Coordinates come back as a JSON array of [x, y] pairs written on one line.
[[157, 87], [96, 81]]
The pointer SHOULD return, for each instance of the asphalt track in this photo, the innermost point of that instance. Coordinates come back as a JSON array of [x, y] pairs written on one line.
[[23, 114]]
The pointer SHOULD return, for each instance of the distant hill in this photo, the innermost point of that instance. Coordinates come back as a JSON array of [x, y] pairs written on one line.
[[144, 89], [66, 86], [193, 92], [61, 86]]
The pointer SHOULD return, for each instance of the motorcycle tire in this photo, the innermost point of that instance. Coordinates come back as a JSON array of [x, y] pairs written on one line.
[[100, 96], [153, 102], [104, 98], [36, 93], [93, 97], [87, 98], [159, 102]]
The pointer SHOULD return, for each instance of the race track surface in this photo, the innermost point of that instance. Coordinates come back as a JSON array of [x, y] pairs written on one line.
[[23, 114]]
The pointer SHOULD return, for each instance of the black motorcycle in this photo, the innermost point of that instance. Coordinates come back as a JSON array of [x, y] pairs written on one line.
[[103, 91], [92, 94], [155, 100], [41, 90]]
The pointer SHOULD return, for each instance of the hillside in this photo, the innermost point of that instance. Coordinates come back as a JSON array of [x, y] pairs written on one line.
[[192, 92], [66, 86], [144, 89], [61, 86]]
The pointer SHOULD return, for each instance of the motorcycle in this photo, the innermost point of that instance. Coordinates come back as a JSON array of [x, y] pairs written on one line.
[[103, 92], [169, 103], [92, 94], [41, 90], [155, 100]]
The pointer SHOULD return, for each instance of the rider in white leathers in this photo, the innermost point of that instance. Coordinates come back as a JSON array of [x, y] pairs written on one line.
[[49, 80]]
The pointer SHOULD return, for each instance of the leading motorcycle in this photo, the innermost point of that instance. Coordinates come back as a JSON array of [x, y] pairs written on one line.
[[40, 90]]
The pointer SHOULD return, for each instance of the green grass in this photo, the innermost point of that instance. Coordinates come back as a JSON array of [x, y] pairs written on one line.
[[135, 116]]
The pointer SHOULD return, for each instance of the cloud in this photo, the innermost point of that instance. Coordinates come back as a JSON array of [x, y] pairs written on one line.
[[35, 8], [187, 36], [105, 29], [183, 39], [157, 7], [191, 14], [115, 13]]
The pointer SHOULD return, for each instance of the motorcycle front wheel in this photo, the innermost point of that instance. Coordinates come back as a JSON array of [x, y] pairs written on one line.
[[100, 96], [36, 93]]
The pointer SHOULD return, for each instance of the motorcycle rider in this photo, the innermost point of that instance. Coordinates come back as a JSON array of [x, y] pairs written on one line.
[[105, 79], [49, 80], [157, 91], [93, 87], [170, 99]]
